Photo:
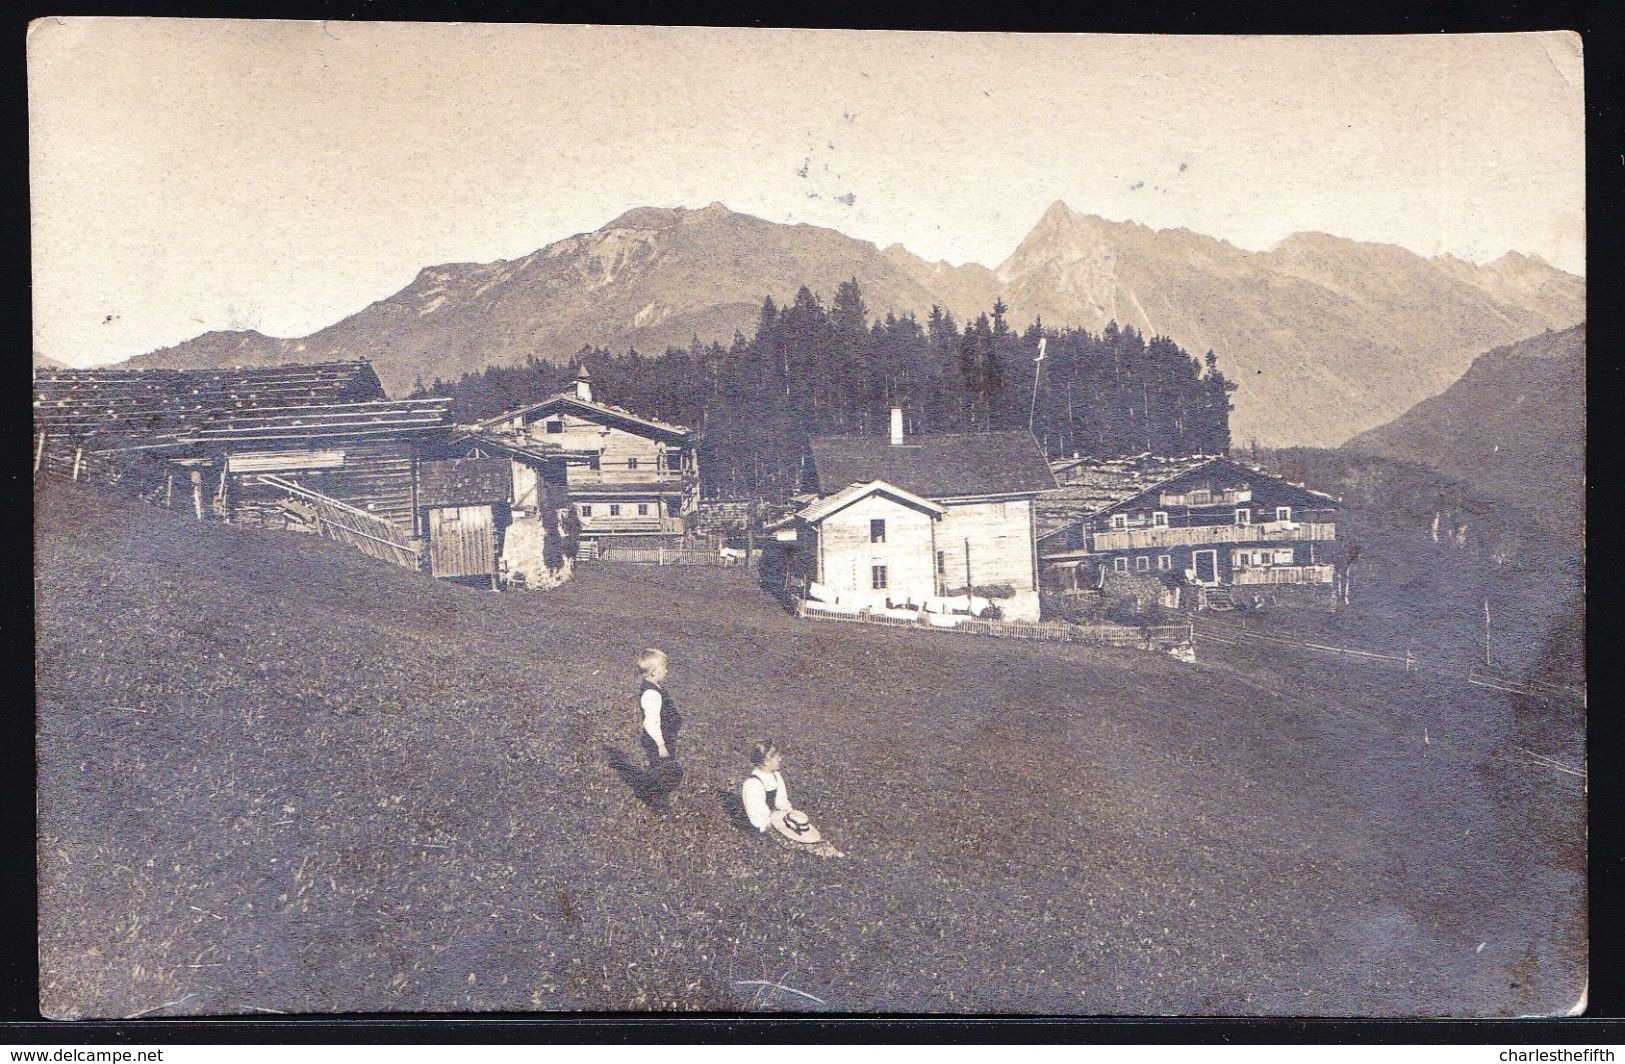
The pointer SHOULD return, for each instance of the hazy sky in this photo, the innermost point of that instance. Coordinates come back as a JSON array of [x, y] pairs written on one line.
[[191, 175]]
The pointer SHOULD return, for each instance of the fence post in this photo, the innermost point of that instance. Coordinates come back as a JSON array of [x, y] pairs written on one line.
[[78, 458], [39, 453]]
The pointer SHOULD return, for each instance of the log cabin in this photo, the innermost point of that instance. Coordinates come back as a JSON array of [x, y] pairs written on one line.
[[918, 521], [630, 478], [1209, 522]]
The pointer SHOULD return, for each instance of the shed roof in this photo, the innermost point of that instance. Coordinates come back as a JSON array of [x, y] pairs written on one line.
[[958, 465], [464, 482]]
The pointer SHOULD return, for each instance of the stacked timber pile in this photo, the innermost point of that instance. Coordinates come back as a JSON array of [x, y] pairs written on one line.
[[1088, 485], [729, 517]]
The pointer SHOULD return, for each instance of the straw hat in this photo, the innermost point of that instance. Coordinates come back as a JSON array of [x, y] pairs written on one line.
[[794, 825]]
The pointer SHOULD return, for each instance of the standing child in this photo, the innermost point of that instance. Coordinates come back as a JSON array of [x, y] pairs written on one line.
[[661, 720]]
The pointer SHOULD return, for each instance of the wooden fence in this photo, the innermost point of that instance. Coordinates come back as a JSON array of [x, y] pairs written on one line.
[[1150, 637], [368, 533], [1410, 662], [610, 551]]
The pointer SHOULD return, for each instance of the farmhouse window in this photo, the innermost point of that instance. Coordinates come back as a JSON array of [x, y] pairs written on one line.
[[586, 509], [1283, 513], [1142, 563], [877, 530], [631, 463], [942, 562], [1119, 520], [674, 507], [614, 509], [555, 426], [1120, 564], [592, 463], [1159, 519], [877, 574], [1244, 517], [643, 509], [1164, 561]]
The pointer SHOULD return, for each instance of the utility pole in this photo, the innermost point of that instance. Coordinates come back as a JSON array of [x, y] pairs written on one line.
[[1032, 411], [1486, 633]]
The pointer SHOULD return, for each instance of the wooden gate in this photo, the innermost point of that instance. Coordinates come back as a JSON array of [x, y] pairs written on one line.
[[462, 541]]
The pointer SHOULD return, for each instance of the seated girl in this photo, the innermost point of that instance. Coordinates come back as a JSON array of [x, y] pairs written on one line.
[[767, 803]]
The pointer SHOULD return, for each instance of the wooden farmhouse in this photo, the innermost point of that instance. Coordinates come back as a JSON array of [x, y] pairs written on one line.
[[314, 446], [629, 478], [918, 522], [1210, 521]]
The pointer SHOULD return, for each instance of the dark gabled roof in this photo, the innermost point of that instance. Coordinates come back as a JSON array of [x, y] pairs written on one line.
[[593, 411], [152, 405], [958, 465], [1094, 487], [1303, 496]]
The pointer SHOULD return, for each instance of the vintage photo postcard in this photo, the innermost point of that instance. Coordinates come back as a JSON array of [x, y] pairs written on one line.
[[541, 518]]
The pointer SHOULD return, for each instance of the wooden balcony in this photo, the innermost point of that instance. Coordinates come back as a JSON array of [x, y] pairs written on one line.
[[1229, 497], [1284, 574], [1205, 535], [602, 526]]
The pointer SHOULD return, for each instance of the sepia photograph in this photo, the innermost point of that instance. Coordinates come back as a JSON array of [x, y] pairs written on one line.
[[698, 520]]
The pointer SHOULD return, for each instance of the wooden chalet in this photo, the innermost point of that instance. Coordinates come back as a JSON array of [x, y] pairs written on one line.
[[1210, 522], [917, 520], [629, 477]]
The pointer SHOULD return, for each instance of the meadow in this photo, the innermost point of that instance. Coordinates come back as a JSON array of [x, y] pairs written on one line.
[[278, 777]]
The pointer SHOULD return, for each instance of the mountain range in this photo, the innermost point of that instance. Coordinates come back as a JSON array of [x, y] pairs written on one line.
[[1513, 427], [1326, 337]]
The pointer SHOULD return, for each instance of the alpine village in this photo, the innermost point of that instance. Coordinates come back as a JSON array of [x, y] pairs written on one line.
[[1102, 632]]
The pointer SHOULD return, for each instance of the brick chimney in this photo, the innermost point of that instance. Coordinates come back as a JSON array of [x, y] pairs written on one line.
[[896, 426], [583, 383]]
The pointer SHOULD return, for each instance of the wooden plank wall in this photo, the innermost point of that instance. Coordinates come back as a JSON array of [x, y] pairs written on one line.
[[375, 477], [462, 541]]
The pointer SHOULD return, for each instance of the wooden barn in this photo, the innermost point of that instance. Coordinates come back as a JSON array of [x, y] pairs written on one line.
[[317, 440], [911, 521], [1210, 522], [629, 477]]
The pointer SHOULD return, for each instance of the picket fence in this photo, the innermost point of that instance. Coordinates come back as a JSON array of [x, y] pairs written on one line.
[[1150, 637]]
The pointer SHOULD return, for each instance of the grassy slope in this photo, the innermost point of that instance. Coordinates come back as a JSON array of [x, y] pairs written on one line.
[[1410, 591], [277, 775]]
